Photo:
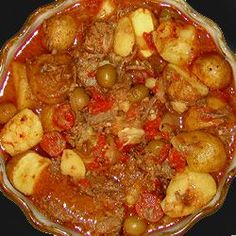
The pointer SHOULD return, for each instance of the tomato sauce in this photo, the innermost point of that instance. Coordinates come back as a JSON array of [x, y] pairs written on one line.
[[119, 178]]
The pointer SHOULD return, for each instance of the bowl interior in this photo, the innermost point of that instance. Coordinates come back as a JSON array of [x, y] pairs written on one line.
[[10, 49]]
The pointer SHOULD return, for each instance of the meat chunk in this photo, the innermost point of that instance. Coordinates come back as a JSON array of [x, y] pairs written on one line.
[[99, 38], [111, 224], [86, 65], [51, 77]]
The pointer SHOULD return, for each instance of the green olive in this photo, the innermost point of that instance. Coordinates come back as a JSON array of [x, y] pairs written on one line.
[[79, 99], [7, 111], [154, 147], [168, 14], [106, 76], [134, 226], [138, 93]]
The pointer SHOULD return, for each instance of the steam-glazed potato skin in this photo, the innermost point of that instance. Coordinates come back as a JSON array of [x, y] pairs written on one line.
[[177, 43], [124, 38], [21, 133], [204, 152], [187, 193], [213, 70], [24, 95], [60, 32], [25, 170], [183, 85], [72, 164], [143, 21], [107, 8], [194, 119], [131, 135]]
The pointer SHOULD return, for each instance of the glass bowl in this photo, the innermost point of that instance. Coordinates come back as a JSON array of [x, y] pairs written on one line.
[[38, 220]]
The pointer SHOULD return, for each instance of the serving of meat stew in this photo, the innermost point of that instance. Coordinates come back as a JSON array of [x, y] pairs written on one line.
[[118, 117]]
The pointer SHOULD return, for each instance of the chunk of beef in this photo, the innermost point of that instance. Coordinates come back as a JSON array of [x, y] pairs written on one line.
[[99, 38], [101, 119], [111, 224], [86, 66]]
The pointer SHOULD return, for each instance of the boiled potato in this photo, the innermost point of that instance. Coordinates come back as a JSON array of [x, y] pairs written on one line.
[[60, 32], [169, 123], [25, 171], [179, 106], [184, 86], [72, 164], [131, 135], [21, 133], [204, 152], [215, 103], [124, 39], [7, 111], [194, 119], [143, 21], [175, 42], [24, 95], [107, 8], [187, 193], [213, 70]]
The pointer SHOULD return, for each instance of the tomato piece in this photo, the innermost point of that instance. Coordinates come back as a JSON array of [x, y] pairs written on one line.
[[99, 150], [154, 90], [133, 111], [53, 143], [100, 161], [148, 207], [99, 103], [151, 128], [92, 6], [124, 158], [149, 40], [64, 117], [84, 183], [140, 76], [176, 160], [164, 152]]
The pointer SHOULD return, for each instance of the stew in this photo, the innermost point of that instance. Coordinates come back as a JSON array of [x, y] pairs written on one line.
[[118, 117]]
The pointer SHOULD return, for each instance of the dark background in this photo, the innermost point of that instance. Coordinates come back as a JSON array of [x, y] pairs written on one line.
[[14, 13]]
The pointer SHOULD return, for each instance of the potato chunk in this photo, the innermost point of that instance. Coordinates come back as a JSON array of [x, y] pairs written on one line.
[[204, 152], [202, 117], [25, 170], [131, 135], [187, 193], [24, 95], [213, 70], [21, 133], [60, 32], [72, 164], [107, 8], [177, 43], [124, 37], [184, 86], [143, 21]]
